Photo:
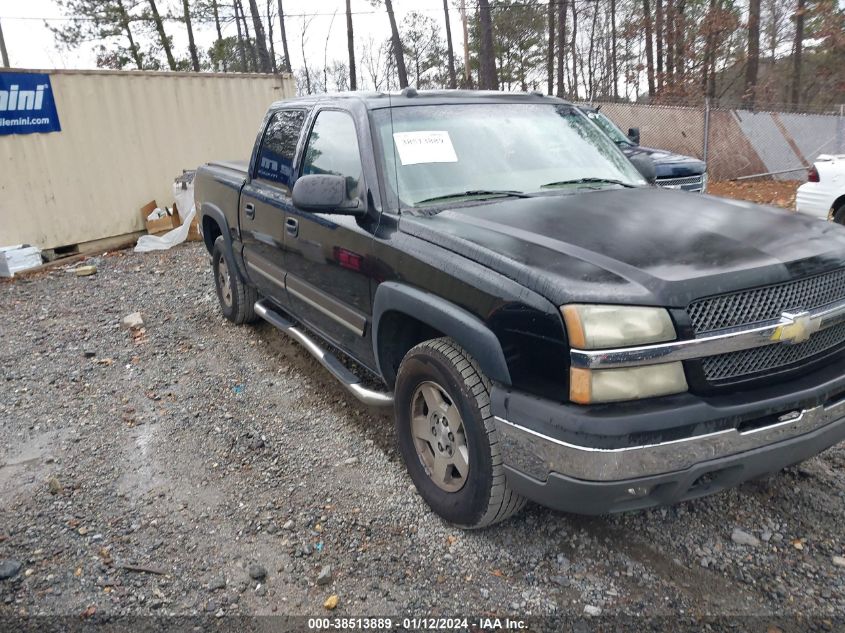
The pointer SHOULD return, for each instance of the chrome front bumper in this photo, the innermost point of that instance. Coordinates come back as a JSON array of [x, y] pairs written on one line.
[[539, 456]]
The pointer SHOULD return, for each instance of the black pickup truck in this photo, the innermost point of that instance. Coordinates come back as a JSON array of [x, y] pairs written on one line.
[[546, 324]]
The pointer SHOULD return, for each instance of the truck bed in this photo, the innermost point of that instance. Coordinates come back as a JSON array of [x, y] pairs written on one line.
[[219, 184]]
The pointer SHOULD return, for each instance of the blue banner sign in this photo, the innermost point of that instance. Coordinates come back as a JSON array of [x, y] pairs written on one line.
[[27, 104]]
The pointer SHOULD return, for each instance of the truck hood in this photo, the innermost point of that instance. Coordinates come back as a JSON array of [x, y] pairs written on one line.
[[667, 164], [644, 246]]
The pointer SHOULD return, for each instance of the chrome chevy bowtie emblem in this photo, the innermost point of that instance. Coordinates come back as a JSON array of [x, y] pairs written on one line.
[[796, 327]]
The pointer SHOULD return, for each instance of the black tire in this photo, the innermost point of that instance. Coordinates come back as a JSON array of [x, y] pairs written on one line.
[[839, 214], [484, 497], [237, 300]]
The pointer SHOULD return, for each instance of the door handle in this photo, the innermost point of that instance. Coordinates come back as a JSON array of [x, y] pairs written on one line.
[[249, 209], [292, 226]]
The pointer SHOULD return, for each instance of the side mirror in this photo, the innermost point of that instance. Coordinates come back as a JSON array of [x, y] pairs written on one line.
[[322, 193], [645, 166], [634, 135]]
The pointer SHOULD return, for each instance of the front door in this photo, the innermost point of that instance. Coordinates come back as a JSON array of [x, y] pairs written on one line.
[[327, 284]]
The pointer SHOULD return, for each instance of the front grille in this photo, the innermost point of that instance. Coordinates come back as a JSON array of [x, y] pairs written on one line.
[[688, 183], [758, 305], [749, 362], [764, 304]]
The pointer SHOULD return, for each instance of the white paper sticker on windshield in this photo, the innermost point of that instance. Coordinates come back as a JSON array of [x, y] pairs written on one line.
[[424, 147]]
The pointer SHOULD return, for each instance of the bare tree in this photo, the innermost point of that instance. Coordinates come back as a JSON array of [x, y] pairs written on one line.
[[350, 45], [669, 39], [192, 47], [216, 11], [241, 44], [574, 39], [798, 45], [487, 79], [270, 37], [550, 63], [561, 47], [284, 37], [614, 70], [649, 45], [680, 46], [397, 46], [658, 40], [260, 41], [303, 38], [753, 60], [453, 79], [162, 36]]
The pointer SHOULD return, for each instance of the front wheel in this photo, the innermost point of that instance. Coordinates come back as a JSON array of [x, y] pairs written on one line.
[[447, 436]]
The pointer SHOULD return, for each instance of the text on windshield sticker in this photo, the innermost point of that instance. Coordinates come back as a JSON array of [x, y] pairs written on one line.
[[424, 147]]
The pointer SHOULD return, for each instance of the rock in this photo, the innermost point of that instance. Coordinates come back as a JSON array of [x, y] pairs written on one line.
[[54, 485], [133, 321], [261, 590], [325, 576], [257, 572], [9, 568], [85, 271], [592, 610], [288, 525], [744, 538], [89, 354], [839, 561], [256, 444], [331, 602], [218, 582], [562, 581], [350, 461]]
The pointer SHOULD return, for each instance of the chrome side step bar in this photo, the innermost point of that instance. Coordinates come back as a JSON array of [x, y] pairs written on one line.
[[327, 360]]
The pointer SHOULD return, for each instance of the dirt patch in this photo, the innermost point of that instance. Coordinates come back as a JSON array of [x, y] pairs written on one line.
[[780, 193]]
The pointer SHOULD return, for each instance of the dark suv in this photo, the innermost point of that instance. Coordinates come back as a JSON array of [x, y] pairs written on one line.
[[673, 171], [545, 324]]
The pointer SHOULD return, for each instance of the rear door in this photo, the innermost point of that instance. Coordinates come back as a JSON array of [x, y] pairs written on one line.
[[266, 198]]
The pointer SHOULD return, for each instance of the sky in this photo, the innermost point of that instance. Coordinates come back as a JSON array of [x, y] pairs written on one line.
[[30, 44]]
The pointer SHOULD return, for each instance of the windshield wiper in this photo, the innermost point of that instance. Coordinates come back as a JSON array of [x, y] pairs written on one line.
[[491, 193], [588, 181]]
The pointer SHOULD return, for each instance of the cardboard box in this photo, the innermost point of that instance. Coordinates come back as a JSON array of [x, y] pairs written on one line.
[[162, 225]]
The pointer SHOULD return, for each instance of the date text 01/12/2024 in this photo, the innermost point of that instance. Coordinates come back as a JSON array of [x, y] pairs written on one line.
[[416, 624]]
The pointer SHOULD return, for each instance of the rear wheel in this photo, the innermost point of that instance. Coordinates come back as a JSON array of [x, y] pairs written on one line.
[[447, 436], [237, 300], [839, 214]]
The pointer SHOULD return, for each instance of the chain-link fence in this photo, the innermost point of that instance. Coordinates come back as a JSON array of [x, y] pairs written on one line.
[[737, 143]]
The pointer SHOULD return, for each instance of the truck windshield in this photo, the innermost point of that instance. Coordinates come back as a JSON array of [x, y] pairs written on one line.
[[609, 127], [440, 154]]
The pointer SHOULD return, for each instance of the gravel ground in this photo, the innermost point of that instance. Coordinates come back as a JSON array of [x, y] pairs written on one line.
[[196, 467]]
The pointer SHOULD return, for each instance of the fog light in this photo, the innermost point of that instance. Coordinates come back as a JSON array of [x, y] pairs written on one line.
[[639, 491], [588, 386]]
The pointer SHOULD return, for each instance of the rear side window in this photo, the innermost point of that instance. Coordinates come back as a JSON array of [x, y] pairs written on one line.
[[333, 149], [278, 146]]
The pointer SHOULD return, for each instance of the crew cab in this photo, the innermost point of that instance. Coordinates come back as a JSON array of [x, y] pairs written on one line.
[[823, 195], [672, 171], [545, 324]]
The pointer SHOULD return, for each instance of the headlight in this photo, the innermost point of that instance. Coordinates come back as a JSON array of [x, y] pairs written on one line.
[[589, 386], [603, 326]]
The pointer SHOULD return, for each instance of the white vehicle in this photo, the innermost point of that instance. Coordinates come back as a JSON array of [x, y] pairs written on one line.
[[823, 195]]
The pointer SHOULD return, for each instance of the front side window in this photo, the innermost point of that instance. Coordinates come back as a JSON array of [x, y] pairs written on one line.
[[333, 149], [278, 147], [433, 153]]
